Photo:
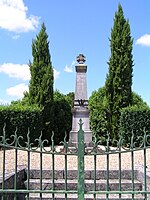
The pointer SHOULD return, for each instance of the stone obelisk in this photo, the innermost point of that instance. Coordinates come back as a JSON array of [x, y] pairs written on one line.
[[80, 109]]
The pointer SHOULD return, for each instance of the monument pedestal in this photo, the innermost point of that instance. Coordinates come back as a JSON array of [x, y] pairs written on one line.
[[80, 113]]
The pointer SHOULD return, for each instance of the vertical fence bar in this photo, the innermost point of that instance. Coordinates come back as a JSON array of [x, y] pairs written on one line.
[[144, 151], [16, 160], [145, 181], [95, 157], [28, 173], [120, 168], [80, 162], [4, 158], [53, 167], [3, 182], [132, 162], [107, 172], [66, 147], [28, 166], [41, 158], [107, 177], [15, 181], [132, 171]]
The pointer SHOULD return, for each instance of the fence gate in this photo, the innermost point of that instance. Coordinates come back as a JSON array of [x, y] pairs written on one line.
[[62, 172]]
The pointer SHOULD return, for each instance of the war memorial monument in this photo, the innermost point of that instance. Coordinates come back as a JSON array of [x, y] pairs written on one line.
[[80, 109]]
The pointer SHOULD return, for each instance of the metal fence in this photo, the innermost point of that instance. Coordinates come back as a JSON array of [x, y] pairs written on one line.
[[16, 190]]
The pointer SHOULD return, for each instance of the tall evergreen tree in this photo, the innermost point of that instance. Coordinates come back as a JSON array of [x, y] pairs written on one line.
[[41, 83], [119, 78]]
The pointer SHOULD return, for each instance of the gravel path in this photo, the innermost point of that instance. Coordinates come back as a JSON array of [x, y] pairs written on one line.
[[101, 161]]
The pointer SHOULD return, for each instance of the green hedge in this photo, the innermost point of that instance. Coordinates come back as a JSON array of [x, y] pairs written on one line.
[[21, 118], [136, 120], [62, 118]]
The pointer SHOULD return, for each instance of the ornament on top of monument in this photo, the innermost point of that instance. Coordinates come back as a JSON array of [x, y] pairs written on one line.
[[81, 59]]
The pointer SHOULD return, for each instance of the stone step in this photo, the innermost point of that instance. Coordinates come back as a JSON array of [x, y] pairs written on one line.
[[59, 184], [89, 174], [35, 196]]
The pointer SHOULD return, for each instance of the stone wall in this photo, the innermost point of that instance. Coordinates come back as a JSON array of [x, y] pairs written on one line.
[[9, 183]]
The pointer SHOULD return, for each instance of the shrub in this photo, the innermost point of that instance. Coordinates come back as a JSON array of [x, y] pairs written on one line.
[[134, 120], [22, 119]]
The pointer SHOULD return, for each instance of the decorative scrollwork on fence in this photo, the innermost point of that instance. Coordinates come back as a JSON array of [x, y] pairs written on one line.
[[96, 147]]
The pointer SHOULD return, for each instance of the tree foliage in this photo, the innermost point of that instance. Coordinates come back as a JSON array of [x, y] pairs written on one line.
[[63, 116], [134, 123], [119, 78], [138, 101], [20, 119], [97, 106], [99, 111], [41, 83], [70, 97]]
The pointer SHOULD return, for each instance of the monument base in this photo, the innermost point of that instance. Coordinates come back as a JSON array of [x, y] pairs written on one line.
[[73, 138]]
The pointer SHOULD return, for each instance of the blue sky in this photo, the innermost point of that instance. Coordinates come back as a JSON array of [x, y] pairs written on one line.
[[73, 26]]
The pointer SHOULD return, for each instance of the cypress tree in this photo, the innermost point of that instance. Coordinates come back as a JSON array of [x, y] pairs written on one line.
[[119, 78], [41, 83]]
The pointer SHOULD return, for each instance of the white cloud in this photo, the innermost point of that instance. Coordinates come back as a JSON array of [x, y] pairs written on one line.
[[16, 71], [56, 74], [13, 17], [144, 40], [17, 90], [69, 69], [20, 71]]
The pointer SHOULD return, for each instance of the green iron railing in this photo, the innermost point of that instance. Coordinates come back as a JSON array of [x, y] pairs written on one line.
[[81, 162], [80, 152]]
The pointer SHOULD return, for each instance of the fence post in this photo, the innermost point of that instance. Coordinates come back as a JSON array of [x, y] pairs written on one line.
[[80, 162]]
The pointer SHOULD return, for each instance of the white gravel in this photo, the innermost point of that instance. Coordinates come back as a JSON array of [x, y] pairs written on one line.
[[101, 160]]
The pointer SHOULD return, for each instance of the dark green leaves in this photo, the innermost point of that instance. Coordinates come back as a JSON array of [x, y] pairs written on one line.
[[119, 78]]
